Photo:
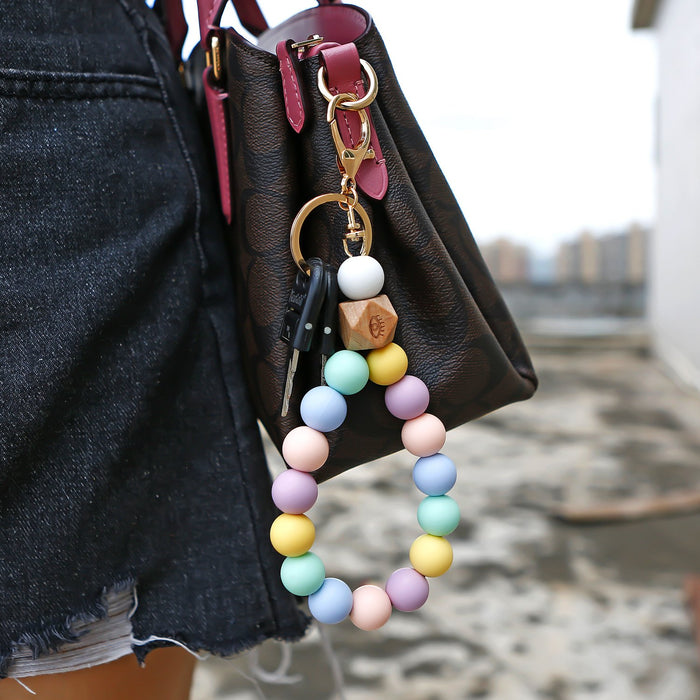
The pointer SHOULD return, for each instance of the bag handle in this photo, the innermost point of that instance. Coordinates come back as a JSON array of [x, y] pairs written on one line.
[[210, 11], [248, 11]]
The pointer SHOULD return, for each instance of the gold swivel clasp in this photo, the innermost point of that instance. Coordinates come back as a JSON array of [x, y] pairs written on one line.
[[349, 159]]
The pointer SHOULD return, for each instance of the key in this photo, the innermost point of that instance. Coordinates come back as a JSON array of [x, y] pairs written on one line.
[[330, 318], [294, 306], [302, 329]]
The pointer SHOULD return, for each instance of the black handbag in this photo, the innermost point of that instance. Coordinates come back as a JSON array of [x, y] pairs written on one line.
[[275, 152]]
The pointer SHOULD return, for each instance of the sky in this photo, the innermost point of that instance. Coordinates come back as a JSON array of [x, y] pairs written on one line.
[[541, 113]]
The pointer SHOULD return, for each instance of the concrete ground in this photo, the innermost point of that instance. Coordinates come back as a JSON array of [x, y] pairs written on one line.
[[532, 608]]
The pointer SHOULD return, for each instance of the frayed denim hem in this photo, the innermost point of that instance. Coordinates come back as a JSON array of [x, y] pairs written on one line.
[[103, 632]]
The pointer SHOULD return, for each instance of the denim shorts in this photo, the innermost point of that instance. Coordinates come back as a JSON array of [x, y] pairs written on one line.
[[132, 479]]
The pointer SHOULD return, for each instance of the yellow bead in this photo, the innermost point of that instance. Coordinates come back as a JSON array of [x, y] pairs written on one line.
[[431, 555], [292, 535], [387, 365]]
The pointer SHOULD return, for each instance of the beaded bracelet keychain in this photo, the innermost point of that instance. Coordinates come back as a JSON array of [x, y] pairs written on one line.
[[367, 323]]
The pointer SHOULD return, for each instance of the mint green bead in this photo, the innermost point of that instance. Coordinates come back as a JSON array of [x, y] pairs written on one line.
[[438, 515], [347, 372], [302, 575]]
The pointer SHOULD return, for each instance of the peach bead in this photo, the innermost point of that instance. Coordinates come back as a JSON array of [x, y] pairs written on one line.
[[423, 436], [305, 449], [371, 607]]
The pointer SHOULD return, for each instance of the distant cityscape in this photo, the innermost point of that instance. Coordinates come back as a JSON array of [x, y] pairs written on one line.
[[590, 275], [618, 257]]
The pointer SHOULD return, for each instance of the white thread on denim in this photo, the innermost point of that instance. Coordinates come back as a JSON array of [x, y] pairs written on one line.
[[155, 638]]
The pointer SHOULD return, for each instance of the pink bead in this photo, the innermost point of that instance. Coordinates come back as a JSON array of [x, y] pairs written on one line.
[[305, 449], [407, 589], [408, 398], [371, 607], [294, 491], [423, 436]]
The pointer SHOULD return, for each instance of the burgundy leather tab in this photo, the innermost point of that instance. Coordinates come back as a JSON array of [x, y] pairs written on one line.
[[210, 12], [217, 119], [316, 49], [291, 84], [344, 74]]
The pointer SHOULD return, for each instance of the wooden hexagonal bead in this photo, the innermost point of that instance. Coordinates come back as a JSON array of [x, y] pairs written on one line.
[[367, 324]]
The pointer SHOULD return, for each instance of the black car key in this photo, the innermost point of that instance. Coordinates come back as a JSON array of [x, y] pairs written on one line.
[[330, 318], [305, 326], [295, 304]]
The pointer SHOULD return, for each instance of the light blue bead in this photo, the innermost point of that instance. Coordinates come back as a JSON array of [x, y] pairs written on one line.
[[302, 575], [438, 515], [435, 475], [332, 602], [347, 372], [323, 409]]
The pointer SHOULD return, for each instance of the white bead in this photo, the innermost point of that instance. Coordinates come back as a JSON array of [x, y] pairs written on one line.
[[360, 277]]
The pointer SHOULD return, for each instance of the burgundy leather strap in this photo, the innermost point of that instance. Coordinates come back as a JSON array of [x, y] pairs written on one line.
[[292, 90], [248, 11], [344, 74], [295, 101], [217, 118], [251, 16], [175, 26]]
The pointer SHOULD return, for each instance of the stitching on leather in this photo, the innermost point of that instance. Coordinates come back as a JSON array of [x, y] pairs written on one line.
[[374, 140], [292, 77], [221, 125], [334, 91], [347, 123]]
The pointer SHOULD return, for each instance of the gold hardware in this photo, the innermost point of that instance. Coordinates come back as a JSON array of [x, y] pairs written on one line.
[[213, 56], [352, 236], [312, 40], [356, 104], [349, 162], [349, 159]]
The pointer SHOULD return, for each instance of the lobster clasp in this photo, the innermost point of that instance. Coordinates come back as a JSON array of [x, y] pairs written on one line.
[[350, 159]]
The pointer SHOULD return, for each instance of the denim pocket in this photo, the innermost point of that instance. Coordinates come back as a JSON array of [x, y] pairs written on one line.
[[69, 85], [98, 261]]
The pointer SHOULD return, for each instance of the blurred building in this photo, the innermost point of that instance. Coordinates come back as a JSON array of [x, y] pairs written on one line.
[[508, 262], [618, 258], [623, 256], [675, 246], [579, 260]]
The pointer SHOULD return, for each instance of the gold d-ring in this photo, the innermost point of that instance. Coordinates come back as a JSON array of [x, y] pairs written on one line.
[[364, 235], [362, 102]]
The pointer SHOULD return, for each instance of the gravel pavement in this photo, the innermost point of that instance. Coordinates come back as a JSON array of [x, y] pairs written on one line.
[[532, 608]]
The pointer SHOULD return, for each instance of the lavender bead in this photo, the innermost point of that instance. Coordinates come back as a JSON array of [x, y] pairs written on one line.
[[294, 491], [407, 589], [408, 398]]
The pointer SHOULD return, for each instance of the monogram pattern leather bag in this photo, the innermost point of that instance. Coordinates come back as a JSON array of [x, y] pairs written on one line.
[[275, 152]]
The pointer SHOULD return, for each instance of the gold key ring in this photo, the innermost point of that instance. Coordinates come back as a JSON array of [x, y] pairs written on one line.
[[362, 102], [364, 235]]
